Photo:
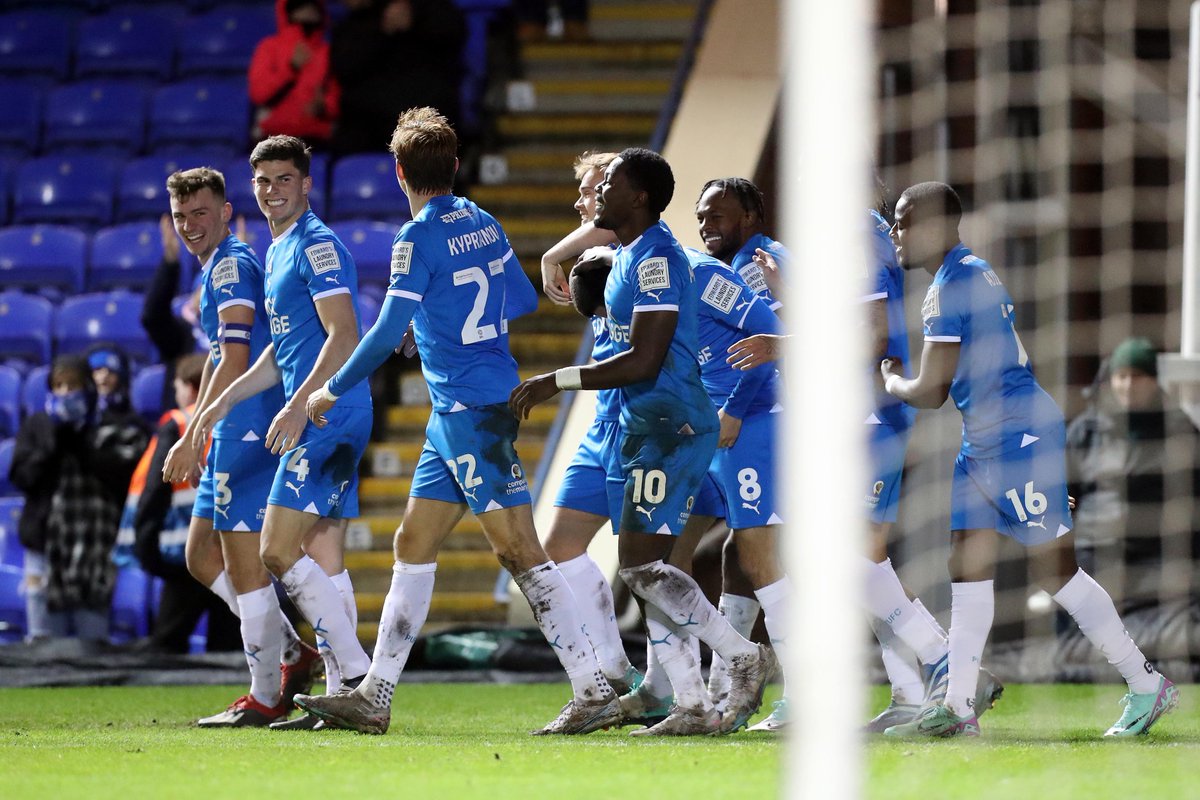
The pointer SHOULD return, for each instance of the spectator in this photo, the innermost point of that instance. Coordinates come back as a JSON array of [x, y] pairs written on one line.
[[390, 56], [290, 81], [534, 15], [73, 462], [173, 336], [154, 528], [1133, 460]]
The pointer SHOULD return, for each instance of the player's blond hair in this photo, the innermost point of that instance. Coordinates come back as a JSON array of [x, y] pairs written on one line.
[[426, 148], [589, 160], [184, 183]]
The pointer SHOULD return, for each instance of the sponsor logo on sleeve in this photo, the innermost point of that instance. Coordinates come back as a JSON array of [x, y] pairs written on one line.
[[225, 272], [721, 294], [991, 277], [932, 306], [752, 274], [323, 258], [654, 275], [401, 257]]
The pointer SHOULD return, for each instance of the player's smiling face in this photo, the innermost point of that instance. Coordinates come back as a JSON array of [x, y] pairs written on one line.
[[281, 193], [202, 221], [724, 224], [586, 204], [614, 198], [917, 239]]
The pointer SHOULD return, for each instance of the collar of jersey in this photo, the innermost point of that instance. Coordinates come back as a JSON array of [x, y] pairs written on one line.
[[217, 249], [439, 202], [955, 255], [291, 227]]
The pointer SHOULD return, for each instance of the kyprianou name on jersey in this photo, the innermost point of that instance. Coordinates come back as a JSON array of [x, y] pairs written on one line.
[[473, 240]]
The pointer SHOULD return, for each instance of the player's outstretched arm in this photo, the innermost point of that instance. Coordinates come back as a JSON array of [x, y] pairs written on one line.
[[754, 351], [260, 377], [649, 339], [520, 298], [569, 248], [375, 348], [929, 388]]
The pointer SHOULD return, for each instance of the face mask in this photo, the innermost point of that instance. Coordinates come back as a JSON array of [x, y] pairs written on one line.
[[71, 408], [310, 28]]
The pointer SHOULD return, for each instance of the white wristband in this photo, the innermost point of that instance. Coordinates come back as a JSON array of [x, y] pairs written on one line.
[[568, 378], [890, 383], [328, 395]]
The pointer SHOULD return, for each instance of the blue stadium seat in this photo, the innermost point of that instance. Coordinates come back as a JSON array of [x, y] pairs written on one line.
[[39, 256], [129, 41], [25, 321], [142, 186], [20, 117], [369, 307], [239, 185], [77, 190], [10, 401], [200, 112], [258, 233], [147, 392], [365, 186], [8, 167], [223, 40], [96, 113], [35, 41], [6, 453], [371, 245], [12, 605], [11, 552], [129, 617], [103, 317], [124, 256], [35, 389]]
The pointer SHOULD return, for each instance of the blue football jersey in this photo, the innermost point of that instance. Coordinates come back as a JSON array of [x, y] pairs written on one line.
[[752, 274], [993, 386], [305, 263], [452, 259], [729, 312], [233, 276], [885, 281], [608, 401], [653, 274]]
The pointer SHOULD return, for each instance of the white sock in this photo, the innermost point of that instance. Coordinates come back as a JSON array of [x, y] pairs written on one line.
[[774, 598], [679, 597], [887, 600], [675, 656], [333, 673], [222, 587], [1093, 610], [972, 608], [655, 683], [262, 642], [318, 600], [742, 613], [901, 665], [404, 612], [554, 609], [924, 612], [594, 601]]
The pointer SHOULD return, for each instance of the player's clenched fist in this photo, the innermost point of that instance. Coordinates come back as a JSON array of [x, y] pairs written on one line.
[[528, 394]]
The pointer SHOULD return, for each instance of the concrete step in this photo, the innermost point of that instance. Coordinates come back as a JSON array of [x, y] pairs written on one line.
[[653, 19], [413, 418], [509, 199], [403, 456], [467, 534], [647, 58], [546, 163], [458, 570], [627, 129], [600, 95]]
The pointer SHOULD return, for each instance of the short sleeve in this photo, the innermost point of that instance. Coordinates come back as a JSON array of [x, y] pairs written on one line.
[[410, 271], [235, 281], [942, 312], [658, 281], [327, 267], [725, 298]]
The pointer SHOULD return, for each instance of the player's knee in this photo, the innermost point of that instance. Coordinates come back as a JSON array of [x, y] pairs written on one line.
[[276, 559]]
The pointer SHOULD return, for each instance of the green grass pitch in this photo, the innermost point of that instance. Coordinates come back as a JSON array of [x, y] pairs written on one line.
[[470, 740]]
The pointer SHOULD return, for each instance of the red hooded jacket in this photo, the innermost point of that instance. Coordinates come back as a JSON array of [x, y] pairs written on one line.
[[283, 94]]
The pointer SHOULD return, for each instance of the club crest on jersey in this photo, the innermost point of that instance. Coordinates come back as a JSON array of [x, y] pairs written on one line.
[[721, 293], [401, 257], [323, 257], [932, 306], [224, 273], [654, 275]]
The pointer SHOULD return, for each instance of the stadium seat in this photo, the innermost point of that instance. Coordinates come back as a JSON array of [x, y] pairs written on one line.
[[40, 256], [258, 234], [369, 307], [35, 389], [200, 112], [96, 113], [142, 186], [129, 41], [103, 317], [371, 245], [239, 185], [20, 117], [11, 552], [10, 401], [129, 617], [147, 392], [223, 40], [8, 167], [365, 186], [12, 605], [6, 453], [124, 256], [77, 190], [25, 321], [35, 41]]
